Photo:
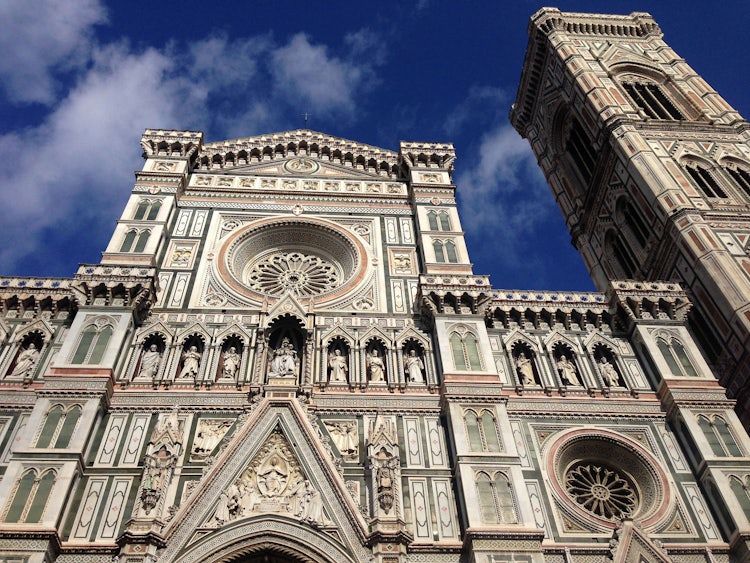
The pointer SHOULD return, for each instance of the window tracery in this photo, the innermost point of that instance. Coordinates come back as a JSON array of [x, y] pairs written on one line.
[[719, 436], [59, 426], [652, 100], [135, 240], [704, 180], [31, 496], [600, 490], [482, 431], [93, 343], [465, 351], [740, 176], [301, 274], [445, 251], [676, 356], [495, 498], [439, 220], [147, 210]]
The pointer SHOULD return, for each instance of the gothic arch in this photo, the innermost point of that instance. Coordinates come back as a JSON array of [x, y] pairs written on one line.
[[267, 534]]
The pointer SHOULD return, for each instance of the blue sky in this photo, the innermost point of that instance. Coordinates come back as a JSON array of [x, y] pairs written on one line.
[[81, 80]]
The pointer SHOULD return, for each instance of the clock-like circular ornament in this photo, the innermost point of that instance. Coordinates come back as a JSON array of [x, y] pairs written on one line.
[[301, 166]]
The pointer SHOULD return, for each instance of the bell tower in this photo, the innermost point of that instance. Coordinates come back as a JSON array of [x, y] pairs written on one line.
[[649, 165]]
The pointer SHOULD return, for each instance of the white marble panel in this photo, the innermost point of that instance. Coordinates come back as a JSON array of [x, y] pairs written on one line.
[[88, 508], [111, 440], [183, 220], [118, 498], [136, 436], [435, 441], [420, 509], [413, 437], [445, 515]]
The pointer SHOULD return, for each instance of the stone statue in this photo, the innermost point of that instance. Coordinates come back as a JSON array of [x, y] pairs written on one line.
[[377, 366], [568, 371], [414, 367], [150, 361], [609, 373], [231, 363], [208, 435], [190, 363], [346, 437], [26, 361], [525, 369], [337, 364], [284, 360]]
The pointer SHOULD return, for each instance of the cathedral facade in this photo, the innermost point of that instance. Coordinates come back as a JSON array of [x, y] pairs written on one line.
[[285, 356]]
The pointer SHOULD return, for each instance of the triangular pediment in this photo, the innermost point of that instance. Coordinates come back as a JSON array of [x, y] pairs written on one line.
[[274, 473], [631, 545], [305, 168], [301, 153]]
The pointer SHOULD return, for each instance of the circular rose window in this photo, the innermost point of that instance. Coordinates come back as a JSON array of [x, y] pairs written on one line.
[[307, 258], [607, 476]]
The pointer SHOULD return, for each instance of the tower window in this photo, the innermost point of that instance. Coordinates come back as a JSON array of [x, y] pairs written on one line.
[[147, 210], [445, 251], [495, 498], [482, 431], [635, 224], [651, 99], [31, 495], [581, 151], [624, 257], [741, 177], [439, 220], [93, 344], [705, 181], [465, 350], [676, 357], [719, 436]]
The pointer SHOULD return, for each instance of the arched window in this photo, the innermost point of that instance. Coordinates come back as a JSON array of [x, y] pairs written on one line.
[[142, 210], [432, 218], [652, 100], [704, 180], [739, 486], [495, 499], [719, 436], [450, 249], [93, 344], [59, 427], [127, 242], [624, 256], [31, 496], [676, 357], [465, 351], [632, 219], [741, 177], [439, 252], [142, 240], [154, 211], [581, 150], [445, 222], [482, 431]]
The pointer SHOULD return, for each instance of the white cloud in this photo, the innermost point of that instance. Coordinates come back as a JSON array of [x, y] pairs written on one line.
[[73, 172], [502, 190], [306, 72], [41, 38]]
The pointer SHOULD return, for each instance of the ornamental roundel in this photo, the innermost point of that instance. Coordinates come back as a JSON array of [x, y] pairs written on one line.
[[301, 166], [601, 477], [303, 257]]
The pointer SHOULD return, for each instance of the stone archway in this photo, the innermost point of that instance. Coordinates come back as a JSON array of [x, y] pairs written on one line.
[[266, 556]]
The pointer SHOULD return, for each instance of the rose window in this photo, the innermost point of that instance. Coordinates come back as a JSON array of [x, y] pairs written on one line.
[[295, 272], [305, 257], [601, 491]]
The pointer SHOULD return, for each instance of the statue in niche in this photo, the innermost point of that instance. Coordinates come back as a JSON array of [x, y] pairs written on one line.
[[284, 360], [414, 367], [385, 467], [568, 371], [525, 369], [337, 364], [191, 362], [609, 373], [346, 438], [231, 363], [377, 366], [156, 472], [150, 361], [26, 361]]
